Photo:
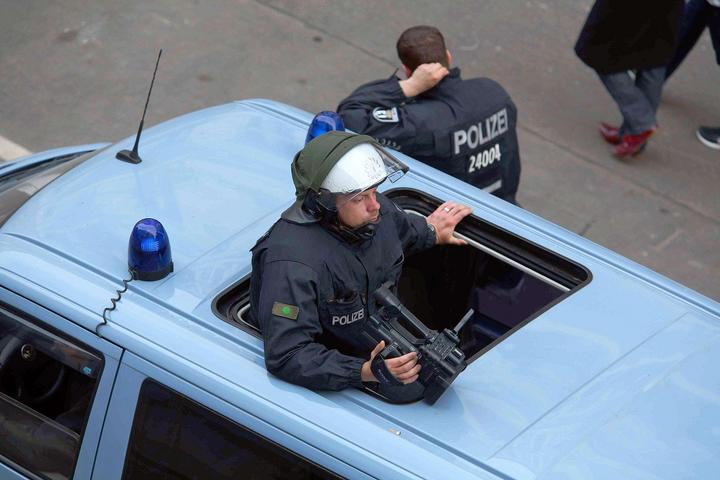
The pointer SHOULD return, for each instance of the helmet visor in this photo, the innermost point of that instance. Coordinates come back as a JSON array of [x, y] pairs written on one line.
[[365, 167]]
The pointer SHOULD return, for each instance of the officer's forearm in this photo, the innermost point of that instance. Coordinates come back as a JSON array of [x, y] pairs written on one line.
[[425, 77], [315, 367], [410, 88]]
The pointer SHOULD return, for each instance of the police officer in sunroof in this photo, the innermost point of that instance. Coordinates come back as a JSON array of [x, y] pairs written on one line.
[[314, 271]]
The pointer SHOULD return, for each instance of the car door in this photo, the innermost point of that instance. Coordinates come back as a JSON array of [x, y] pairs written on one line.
[[160, 425], [55, 384]]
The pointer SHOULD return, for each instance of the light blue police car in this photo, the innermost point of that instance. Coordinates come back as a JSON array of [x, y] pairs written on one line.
[[581, 364]]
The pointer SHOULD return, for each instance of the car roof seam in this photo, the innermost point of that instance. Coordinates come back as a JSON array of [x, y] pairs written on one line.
[[78, 305]]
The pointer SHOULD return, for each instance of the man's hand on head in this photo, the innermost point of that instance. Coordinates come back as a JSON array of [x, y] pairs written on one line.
[[445, 218], [425, 77]]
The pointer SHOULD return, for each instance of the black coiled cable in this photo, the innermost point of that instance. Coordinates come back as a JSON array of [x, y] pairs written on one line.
[[114, 302]]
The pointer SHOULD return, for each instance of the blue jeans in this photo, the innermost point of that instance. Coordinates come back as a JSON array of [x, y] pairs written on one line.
[[637, 99], [697, 15]]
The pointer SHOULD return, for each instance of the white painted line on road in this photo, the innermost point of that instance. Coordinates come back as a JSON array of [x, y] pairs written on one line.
[[11, 150]]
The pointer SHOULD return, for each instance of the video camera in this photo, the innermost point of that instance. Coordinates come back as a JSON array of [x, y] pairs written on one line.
[[437, 352]]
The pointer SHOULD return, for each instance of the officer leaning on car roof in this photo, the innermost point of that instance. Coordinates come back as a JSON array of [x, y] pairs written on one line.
[[315, 269]]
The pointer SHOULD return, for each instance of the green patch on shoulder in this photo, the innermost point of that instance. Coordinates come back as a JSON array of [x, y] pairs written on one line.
[[285, 310]]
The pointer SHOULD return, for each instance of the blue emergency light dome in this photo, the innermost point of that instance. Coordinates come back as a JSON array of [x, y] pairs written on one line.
[[149, 256], [323, 123]]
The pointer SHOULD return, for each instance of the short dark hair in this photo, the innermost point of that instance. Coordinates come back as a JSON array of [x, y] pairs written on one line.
[[421, 44]]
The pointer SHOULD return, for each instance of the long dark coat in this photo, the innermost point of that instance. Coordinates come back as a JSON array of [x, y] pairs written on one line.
[[621, 35]]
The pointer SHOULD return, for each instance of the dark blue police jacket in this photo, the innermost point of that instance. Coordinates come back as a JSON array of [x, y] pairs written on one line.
[[465, 128], [309, 294]]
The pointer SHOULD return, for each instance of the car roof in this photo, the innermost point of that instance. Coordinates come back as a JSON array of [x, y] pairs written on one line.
[[574, 384]]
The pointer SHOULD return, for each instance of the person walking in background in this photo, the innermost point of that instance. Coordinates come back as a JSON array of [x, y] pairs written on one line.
[[698, 15], [621, 36], [465, 128]]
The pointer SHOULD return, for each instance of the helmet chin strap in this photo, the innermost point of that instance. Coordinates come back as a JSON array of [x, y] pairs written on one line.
[[362, 233]]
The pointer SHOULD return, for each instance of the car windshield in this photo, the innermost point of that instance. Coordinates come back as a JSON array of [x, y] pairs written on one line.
[[18, 186]]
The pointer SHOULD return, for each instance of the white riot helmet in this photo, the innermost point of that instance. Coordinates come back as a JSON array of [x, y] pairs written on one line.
[[361, 168], [338, 164]]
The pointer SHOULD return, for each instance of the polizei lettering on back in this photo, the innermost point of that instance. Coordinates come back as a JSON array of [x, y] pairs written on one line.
[[348, 318], [481, 133]]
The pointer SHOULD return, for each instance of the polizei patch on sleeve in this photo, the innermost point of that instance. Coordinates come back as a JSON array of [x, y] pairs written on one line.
[[285, 310], [386, 115]]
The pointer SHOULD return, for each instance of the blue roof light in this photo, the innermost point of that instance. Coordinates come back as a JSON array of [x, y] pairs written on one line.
[[324, 122], [149, 256]]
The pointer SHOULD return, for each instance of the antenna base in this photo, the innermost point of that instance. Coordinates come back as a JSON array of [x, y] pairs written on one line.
[[129, 156]]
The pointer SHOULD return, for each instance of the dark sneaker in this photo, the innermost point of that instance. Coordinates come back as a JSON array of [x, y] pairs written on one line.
[[633, 144], [609, 133], [709, 136]]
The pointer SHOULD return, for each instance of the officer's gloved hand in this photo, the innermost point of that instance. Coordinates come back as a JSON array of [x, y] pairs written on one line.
[[399, 370]]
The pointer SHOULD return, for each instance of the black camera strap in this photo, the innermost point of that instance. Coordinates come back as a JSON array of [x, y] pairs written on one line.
[[381, 371]]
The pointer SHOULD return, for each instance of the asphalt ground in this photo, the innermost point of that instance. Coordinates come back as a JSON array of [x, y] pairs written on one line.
[[74, 72]]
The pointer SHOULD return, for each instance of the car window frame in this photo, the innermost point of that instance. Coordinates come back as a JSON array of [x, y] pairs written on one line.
[[110, 355], [150, 383]]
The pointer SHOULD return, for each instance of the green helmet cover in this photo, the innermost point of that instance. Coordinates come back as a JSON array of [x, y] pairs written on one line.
[[313, 163]]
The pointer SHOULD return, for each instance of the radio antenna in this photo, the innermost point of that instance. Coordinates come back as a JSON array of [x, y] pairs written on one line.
[[131, 156]]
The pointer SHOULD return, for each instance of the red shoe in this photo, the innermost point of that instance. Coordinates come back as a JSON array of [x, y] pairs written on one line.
[[633, 144], [609, 133]]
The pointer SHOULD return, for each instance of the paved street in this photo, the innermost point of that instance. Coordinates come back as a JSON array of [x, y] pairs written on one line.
[[77, 72]]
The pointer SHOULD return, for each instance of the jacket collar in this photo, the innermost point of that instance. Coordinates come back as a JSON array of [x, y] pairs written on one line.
[[454, 72]]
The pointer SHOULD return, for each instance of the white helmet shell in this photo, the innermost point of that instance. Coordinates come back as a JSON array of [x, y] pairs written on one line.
[[360, 168]]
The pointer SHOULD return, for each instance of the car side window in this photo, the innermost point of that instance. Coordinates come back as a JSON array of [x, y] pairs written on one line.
[[175, 437], [46, 387]]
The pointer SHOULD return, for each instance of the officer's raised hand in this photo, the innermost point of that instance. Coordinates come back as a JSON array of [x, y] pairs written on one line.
[[444, 219], [423, 78], [405, 368]]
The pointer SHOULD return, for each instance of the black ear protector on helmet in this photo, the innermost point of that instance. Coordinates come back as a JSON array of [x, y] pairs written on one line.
[[320, 205], [311, 204]]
